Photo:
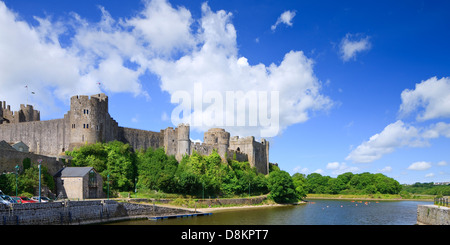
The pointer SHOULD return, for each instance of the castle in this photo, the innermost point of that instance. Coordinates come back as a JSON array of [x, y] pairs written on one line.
[[88, 121]]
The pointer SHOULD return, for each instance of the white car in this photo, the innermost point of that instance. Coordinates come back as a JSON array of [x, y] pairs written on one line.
[[43, 199], [4, 201]]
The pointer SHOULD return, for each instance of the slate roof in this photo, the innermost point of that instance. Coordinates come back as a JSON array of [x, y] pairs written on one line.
[[4, 145], [73, 172]]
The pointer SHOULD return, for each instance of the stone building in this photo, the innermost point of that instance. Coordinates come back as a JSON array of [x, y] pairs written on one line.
[[88, 121], [79, 183]]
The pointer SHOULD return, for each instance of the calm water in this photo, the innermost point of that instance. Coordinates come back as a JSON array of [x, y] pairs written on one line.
[[316, 212]]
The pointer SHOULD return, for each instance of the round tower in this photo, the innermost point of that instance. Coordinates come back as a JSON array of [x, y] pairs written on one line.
[[87, 118], [219, 138], [184, 142]]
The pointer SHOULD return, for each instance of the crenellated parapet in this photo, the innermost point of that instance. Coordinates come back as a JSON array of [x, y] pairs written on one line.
[[88, 121]]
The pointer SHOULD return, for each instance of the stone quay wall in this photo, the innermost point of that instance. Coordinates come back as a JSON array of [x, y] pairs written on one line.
[[433, 215], [79, 212]]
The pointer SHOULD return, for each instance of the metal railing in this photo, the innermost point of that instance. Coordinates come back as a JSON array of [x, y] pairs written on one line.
[[441, 201]]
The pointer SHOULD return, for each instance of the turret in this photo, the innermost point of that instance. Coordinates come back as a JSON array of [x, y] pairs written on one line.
[[184, 142], [220, 139], [88, 118]]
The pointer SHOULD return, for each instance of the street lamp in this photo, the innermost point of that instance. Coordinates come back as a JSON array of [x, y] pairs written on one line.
[[135, 187], [17, 175], [108, 185], [39, 161]]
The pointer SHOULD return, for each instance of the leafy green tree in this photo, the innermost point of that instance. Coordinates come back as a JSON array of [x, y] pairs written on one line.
[[114, 158], [300, 184], [282, 189], [335, 185], [156, 170], [316, 183]]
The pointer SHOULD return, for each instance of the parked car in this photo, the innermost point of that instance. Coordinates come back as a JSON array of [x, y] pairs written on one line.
[[43, 199], [3, 201], [24, 200], [8, 198]]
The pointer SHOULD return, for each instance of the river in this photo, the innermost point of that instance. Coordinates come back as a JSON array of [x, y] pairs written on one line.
[[315, 212]]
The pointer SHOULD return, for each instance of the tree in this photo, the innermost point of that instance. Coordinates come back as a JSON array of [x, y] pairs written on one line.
[[335, 185], [282, 189], [156, 170], [316, 183], [300, 184]]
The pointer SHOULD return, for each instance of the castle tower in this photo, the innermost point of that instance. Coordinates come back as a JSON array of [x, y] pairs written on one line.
[[184, 142], [28, 114], [88, 119], [220, 139]]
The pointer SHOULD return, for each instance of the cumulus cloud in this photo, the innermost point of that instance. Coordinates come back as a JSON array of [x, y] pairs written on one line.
[[160, 39], [352, 44], [396, 135], [340, 168], [386, 169], [420, 166], [430, 99], [285, 18], [393, 136], [216, 66]]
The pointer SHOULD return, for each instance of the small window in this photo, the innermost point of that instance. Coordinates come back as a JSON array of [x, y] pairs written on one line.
[[87, 125], [84, 125], [92, 177]]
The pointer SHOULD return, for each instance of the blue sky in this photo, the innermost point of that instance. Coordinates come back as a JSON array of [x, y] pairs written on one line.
[[363, 87]]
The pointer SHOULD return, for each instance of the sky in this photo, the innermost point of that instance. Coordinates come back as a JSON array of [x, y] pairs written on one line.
[[335, 86]]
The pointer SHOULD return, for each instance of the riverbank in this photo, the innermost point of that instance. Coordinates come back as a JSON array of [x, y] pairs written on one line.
[[383, 197], [230, 208]]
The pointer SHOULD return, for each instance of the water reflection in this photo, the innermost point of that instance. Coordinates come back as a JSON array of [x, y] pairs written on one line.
[[315, 212]]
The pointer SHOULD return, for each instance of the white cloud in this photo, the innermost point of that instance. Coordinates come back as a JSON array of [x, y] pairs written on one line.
[[285, 18], [352, 44], [430, 99], [165, 28], [429, 175], [161, 39], [420, 166], [216, 66], [340, 168], [333, 165], [393, 136], [442, 163], [301, 170], [386, 169]]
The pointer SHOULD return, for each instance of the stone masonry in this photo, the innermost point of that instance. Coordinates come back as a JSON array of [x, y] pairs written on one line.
[[88, 121]]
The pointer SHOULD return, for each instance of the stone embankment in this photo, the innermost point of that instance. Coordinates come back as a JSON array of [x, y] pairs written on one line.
[[80, 212], [433, 215]]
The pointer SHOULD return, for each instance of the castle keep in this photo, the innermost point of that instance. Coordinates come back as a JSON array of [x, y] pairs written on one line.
[[88, 121]]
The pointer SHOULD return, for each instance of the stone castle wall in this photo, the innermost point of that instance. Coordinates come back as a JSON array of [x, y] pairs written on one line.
[[42, 137], [10, 158], [141, 139], [88, 121]]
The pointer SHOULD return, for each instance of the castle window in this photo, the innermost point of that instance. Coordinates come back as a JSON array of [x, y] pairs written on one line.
[[238, 149], [87, 125], [84, 125]]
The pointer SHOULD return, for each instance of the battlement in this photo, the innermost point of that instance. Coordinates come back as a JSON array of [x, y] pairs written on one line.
[[24, 114], [88, 121]]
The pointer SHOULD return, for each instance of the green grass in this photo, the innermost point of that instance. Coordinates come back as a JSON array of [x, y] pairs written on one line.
[[371, 196]]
